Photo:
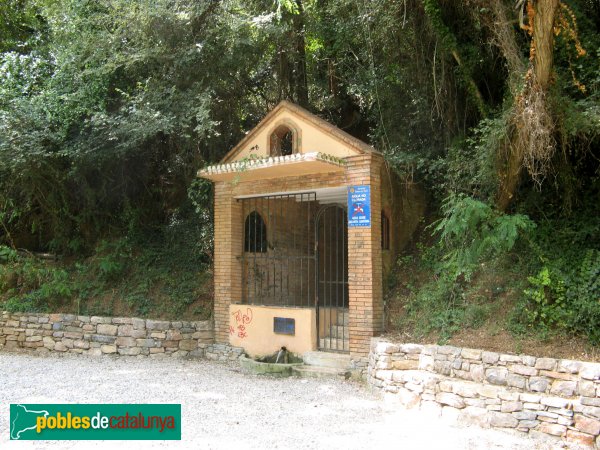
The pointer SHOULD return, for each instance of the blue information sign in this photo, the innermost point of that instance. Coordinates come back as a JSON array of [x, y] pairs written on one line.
[[359, 206]]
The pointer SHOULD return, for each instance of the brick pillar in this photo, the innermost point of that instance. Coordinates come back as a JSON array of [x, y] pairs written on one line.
[[364, 260], [229, 228]]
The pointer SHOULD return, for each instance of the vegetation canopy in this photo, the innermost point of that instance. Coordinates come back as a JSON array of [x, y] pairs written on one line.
[[108, 109]]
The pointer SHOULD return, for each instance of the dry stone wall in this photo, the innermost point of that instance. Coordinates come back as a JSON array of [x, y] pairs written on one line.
[[67, 333], [540, 396]]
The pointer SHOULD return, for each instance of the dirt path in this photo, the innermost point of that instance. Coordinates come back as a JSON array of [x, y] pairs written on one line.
[[223, 408]]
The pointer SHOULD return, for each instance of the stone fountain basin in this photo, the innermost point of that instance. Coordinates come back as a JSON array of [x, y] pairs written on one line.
[[267, 366]]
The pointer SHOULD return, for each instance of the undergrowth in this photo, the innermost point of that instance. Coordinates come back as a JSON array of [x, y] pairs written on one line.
[[160, 273], [502, 272]]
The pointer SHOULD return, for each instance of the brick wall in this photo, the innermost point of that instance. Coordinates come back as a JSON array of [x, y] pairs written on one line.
[[68, 333], [540, 396]]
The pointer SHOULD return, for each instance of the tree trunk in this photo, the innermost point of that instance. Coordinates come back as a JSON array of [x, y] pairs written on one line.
[[538, 81], [301, 82]]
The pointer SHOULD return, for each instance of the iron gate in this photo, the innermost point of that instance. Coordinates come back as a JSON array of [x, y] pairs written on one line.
[[332, 278], [296, 254], [279, 261]]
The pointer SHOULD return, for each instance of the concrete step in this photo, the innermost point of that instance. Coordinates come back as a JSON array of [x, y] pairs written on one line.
[[321, 372], [339, 361], [339, 331], [331, 343]]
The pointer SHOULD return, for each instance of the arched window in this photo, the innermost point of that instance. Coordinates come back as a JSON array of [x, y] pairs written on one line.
[[282, 141], [385, 231], [255, 234]]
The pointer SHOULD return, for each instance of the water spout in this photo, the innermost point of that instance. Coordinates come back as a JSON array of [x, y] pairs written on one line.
[[282, 351]]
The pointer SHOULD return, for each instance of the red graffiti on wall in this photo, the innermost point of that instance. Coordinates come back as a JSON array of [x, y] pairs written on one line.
[[241, 320]]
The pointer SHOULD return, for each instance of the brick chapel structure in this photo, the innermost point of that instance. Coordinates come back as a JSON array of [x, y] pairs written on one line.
[[306, 219]]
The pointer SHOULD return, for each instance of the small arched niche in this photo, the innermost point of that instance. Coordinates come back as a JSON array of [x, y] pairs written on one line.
[[283, 141]]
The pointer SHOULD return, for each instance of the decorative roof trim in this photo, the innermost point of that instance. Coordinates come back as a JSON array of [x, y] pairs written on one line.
[[270, 161]]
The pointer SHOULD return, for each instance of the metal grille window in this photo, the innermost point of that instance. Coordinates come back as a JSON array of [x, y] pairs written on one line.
[[255, 234]]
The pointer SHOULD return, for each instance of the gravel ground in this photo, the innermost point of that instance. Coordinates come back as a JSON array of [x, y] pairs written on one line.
[[223, 408]]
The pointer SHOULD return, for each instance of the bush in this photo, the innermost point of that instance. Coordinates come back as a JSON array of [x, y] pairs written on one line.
[[564, 299]]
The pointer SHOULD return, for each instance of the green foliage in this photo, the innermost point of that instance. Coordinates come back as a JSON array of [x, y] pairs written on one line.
[[29, 285], [161, 273], [548, 299], [471, 231], [564, 299]]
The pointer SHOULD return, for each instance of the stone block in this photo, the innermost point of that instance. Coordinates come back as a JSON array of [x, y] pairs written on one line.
[[121, 320], [405, 364], [580, 438], [526, 425], [157, 324], [521, 369], [132, 351], [173, 335], [590, 371], [138, 324], [98, 320], [109, 349], [469, 353], [586, 388], [146, 343], [84, 345], [557, 375], [60, 347], [509, 407], [510, 358], [554, 402], [502, 420], [188, 344], [488, 391], [125, 341], [530, 398], [410, 348], [591, 411], [103, 339], [590, 401], [553, 429], [566, 365], [446, 398], [528, 360], [465, 389], [477, 372], [564, 388], [517, 381], [525, 415], [496, 375], [448, 350], [478, 402], [107, 329], [538, 384], [386, 348], [545, 363]]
